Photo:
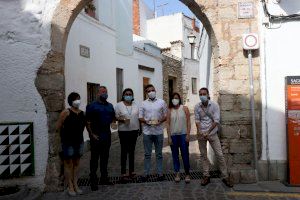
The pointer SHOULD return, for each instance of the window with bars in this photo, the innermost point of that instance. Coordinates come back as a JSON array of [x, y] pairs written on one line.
[[194, 85], [92, 90], [119, 74]]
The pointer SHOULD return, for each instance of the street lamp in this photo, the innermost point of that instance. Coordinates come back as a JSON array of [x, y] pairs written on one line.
[[192, 39]]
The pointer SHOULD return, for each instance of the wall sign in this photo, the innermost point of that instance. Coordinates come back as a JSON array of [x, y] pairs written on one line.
[[293, 128], [245, 10], [84, 51]]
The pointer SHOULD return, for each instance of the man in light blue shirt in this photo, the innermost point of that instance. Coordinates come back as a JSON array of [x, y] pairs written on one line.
[[152, 114]]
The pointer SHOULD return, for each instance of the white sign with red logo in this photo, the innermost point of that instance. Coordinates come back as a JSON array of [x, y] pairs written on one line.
[[250, 41]]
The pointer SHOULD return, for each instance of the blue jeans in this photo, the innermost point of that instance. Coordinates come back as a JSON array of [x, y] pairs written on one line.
[[180, 143], [158, 141]]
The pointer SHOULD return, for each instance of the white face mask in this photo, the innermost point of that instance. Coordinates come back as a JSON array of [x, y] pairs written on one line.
[[76, 103], [152, 95], [175, 102]]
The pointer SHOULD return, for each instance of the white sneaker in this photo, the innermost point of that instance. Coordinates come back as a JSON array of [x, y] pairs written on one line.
[[177, 178]]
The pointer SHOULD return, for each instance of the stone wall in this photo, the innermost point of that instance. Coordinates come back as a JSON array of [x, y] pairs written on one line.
[[172, 68], [231, 86]]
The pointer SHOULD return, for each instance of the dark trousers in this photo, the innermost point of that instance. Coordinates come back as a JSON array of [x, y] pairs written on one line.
[[99, 149], [180, 143], [128, 142]]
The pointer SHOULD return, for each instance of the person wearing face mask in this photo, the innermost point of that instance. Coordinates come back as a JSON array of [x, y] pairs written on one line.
[[127, 114], [152, 114], [178, 129], [71, 124], [100, 115], [207, 118]]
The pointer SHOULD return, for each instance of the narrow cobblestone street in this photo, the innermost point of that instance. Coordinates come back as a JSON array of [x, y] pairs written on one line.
[[216, 190], [114, 167]]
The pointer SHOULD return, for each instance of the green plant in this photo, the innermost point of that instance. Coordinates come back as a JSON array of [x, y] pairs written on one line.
[[90, 6]]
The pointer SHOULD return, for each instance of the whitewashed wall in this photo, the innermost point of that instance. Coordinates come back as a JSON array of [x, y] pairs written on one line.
[[124, 26], [99, 68], [280, 57], [165, 29], [192, 69], [156, 77], [24, 44]]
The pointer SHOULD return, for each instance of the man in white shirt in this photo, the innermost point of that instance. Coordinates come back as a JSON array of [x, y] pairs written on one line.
[[152, 114], [207, 118]]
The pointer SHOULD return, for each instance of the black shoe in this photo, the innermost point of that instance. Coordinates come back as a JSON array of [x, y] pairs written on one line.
[[105, 181], [94, 183], [161, 178], [94, 187], [205, 181], [227, 182], [145, 178]]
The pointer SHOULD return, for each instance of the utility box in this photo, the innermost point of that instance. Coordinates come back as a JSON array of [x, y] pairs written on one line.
[[293, 128]]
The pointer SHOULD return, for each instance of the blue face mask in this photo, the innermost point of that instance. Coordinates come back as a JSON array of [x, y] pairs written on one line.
[[203, 98], [103, 96], [128, 98]]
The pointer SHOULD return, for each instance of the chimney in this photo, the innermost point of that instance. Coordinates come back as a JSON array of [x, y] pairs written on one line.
[[195, 28], [136, 17]]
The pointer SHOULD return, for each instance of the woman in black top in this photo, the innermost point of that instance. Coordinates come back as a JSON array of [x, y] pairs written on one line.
[[71, 124]]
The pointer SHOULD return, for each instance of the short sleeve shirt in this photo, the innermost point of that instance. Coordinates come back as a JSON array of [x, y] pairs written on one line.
[[101, 115], [129, 112], [212, 110], [153, 110]]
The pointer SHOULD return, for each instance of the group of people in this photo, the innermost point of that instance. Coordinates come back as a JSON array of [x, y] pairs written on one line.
[[148, 118]]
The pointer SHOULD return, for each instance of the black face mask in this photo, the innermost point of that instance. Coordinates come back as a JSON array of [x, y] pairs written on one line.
[[103, 97]]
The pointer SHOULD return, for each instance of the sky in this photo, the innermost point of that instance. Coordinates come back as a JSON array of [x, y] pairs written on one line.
[[173, 6]]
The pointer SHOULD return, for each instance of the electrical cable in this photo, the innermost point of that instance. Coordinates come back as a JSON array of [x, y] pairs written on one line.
[[279, 17]]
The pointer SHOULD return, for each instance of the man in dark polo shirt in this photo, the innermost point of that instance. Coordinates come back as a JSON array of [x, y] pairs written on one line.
[[100, 114]]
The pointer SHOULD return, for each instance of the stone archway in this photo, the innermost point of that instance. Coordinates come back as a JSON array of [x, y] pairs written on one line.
[[224, 31], [50, 82]]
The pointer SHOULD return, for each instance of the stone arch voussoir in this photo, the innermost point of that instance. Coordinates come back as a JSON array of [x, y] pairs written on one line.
[[50, 82]]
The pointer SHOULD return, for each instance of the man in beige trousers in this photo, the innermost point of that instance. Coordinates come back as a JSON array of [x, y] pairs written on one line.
[[207, 118]]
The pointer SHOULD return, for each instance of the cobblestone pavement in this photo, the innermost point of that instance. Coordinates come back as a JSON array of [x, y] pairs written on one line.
[[114, 168], [170, 190]]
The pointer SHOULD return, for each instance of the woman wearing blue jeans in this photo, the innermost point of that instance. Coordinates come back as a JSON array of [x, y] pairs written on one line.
[[178, 127]]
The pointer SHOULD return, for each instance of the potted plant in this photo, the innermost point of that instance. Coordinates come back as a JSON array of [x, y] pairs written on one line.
[[90, 10]]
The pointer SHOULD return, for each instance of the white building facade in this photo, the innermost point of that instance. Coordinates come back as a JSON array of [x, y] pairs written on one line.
[[171, 32], [279, 43]]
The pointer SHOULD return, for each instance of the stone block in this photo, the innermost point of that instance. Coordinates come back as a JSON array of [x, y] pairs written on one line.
[[224, 48], [50, 82], [243, 117], [226, 72], [230, 131], [234, 175], [238, 29], [248, 176], [240, 146], [227, 13], [238, 87], [242, 158]]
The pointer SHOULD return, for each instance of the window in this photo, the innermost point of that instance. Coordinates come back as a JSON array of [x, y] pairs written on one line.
[[92, 90], [194, 85], [146, 81], [119, 74]]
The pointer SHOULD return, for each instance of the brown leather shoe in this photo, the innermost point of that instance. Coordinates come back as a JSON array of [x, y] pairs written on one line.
[[227, 182], [205, 181]]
